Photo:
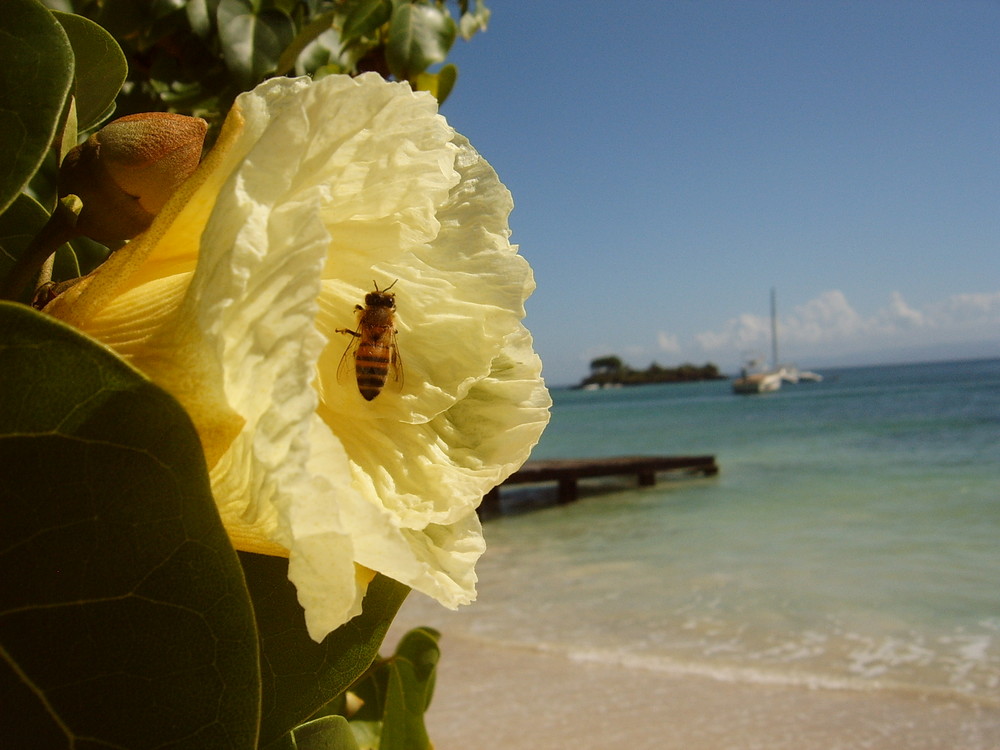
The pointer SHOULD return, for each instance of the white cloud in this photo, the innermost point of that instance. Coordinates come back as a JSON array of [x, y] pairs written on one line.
[[963, 310], [828, 317], [746, 331], [669, 343], [829, 326], [902, 314]]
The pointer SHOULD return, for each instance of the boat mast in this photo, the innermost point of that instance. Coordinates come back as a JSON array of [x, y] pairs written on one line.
[[774, 332]]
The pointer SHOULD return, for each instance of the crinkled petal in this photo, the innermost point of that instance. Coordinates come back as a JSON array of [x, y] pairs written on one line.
[[472, 403], [233, 300], [459, 299]]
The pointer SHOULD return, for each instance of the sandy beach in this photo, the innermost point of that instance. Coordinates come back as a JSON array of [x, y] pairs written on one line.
[[493, 697]]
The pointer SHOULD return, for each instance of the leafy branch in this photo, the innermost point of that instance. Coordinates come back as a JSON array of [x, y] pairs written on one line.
[[127, 617]]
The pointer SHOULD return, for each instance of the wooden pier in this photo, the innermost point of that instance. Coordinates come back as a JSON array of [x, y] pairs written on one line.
[[568, 472]]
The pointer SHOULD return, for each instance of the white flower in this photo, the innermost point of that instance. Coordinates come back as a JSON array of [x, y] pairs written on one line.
[[232, 300]]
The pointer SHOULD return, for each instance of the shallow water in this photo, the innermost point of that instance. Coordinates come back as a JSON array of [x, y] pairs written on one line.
[[852, 538]]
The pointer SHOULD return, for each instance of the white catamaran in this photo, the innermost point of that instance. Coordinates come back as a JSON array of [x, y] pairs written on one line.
[[757, 378]]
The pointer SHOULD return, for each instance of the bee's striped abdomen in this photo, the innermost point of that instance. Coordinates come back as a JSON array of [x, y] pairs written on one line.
[[371, 364]]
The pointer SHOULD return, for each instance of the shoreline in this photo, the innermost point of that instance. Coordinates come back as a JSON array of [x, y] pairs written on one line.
[[492, 696]]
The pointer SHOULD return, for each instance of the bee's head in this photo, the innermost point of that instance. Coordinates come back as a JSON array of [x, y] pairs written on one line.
[[381, 297]]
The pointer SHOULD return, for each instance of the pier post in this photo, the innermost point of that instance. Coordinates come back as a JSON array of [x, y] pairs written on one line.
[[567, 489]]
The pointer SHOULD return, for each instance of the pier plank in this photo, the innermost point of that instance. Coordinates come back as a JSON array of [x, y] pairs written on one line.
[[567, 472]]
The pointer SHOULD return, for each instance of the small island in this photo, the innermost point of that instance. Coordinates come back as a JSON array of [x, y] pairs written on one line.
[[612, 372]]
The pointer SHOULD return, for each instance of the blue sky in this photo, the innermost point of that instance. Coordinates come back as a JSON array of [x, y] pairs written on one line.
[[671, 161]]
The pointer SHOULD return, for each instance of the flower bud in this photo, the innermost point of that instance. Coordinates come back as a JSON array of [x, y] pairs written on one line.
[[125, 172]]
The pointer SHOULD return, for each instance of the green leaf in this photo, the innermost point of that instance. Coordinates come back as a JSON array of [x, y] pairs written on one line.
[[306, 36], [69, 128], [100, 68], [419, 36], [438, 84], [412, 673], [403, 722], [298, 675], [365, 18], [36, 75], [420, 648], [326, 733], [397, 692], [252, 42], [124, 620], [87, 255], [18, 226]]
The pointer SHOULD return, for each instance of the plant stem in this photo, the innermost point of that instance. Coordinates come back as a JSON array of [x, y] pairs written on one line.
[[58, 230]]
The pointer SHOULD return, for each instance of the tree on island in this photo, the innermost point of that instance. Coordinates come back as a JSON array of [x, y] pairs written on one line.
[[611, 370], [610, 365]]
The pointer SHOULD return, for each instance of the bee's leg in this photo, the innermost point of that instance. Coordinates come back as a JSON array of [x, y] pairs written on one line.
[[347, 330]]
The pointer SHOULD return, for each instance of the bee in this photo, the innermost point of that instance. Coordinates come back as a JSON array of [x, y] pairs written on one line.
[[373, 345]]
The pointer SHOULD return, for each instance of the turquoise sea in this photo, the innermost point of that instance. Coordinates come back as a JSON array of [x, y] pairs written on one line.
[[852, 538]]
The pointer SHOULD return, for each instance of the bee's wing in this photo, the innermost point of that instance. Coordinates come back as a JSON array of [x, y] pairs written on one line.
[[345, 369], [395, 362]]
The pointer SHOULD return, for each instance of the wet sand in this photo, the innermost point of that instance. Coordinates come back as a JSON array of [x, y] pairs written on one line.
[[493, 697]]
